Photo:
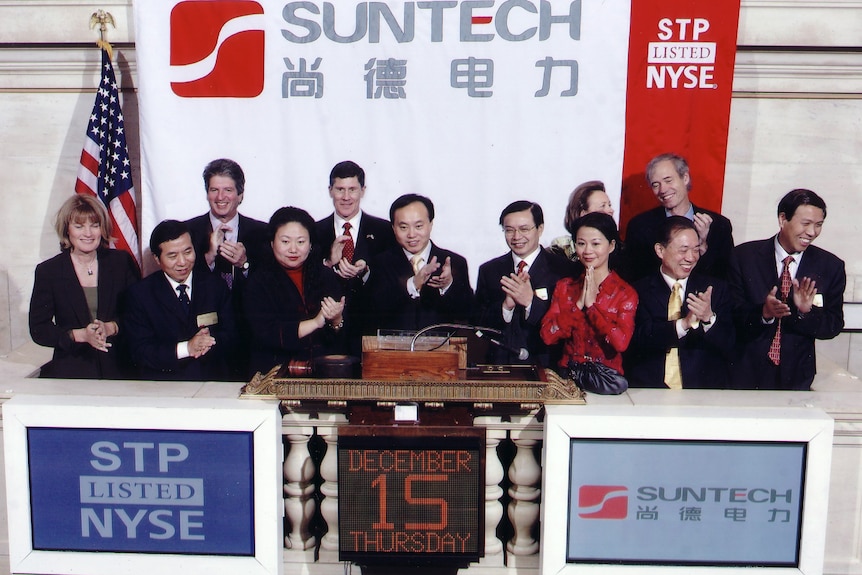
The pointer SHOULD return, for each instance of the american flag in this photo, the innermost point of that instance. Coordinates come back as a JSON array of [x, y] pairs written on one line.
[[105, 170]]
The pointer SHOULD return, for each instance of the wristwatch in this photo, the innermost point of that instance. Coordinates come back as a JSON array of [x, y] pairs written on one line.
[[244, 266]]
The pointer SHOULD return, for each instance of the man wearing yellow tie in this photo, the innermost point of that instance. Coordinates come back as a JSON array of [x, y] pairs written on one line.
[[683, 328], [417, 283]]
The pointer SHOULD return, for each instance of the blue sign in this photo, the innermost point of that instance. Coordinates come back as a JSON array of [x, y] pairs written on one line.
[[685, 502], [153, 491]]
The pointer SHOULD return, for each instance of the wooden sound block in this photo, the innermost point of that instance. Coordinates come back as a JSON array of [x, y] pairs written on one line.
[[410, 365], [405, 365]]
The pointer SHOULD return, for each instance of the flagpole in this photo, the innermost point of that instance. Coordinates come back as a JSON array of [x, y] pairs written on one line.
[[102, 18], [105, 170]]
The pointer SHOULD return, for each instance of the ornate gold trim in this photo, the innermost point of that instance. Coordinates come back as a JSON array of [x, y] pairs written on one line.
[[526, 393]]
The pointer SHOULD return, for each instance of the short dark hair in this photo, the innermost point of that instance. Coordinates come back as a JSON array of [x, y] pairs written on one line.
[[673, 224], [600, 221], [522, 206], [347, 169], [799, 197], [225, 167], [408, 199], [578, 200], [287, 215], [679, 163], [166, 231]]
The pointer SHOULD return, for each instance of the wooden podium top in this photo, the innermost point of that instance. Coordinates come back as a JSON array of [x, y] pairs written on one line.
[[491, 389]]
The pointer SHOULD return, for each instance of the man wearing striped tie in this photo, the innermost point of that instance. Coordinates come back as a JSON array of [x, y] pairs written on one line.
[[229, 244], [684, 326], [787, 293]]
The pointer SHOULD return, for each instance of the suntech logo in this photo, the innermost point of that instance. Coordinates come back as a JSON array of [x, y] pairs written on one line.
[[603, 502], [217, 49]]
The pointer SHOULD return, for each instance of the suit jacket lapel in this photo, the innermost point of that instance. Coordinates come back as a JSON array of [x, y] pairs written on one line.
[[168, 300], [107, 288], [76, 293], [539, 269]]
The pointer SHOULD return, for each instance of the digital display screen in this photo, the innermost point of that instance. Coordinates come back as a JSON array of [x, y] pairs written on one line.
[[685, 502], [410, 497], [144, 491]]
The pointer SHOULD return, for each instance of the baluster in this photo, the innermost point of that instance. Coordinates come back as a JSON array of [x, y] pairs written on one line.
[[299, 505], [525, 473], [329, 490], [494, 474]]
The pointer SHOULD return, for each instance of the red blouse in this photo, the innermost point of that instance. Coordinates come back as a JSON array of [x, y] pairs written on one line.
[[600, 332]]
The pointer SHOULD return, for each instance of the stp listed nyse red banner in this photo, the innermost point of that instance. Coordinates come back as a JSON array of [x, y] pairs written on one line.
[[680, 80]]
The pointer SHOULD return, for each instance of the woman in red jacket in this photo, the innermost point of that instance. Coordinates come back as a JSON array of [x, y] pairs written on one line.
[[594, 314]]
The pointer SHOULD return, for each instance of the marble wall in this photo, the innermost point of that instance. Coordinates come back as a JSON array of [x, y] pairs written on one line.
[[795, 119]]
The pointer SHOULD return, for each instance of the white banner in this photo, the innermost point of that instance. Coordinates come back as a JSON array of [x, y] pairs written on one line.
[[473, 103]]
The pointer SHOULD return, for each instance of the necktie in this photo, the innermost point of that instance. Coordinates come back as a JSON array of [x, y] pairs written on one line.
[[521, 265], [347, 251], [184, 297], [672, 375], [417, 262], [224, 267], [775, 346]]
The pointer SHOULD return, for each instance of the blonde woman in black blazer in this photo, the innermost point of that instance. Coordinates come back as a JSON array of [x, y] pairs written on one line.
[[84, 331]]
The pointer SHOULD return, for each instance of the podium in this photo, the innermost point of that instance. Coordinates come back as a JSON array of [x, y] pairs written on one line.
[[411, 487]]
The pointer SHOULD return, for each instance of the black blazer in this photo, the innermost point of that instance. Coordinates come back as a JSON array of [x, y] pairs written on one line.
[[547, 269], [644, 230], [703, 355], [392, 306], [252, 233], [254, 236], [273, 308], [753, 273], [58, 305], [374, 237], [156, 323]]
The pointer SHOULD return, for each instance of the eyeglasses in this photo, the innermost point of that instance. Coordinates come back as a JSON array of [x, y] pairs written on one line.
[[523, 230]]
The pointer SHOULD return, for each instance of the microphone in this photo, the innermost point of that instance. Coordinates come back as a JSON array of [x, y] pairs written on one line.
[[477, 329], [521, 352]]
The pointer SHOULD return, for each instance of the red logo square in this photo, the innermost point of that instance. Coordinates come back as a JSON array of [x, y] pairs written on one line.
[[603, 502], [217, 49]]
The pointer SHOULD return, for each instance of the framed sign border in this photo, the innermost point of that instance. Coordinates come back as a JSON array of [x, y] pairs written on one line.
[[808, 425], [262, 419]]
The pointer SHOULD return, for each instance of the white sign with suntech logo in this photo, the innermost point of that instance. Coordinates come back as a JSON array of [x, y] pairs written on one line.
[[474, 104], [706, 489]]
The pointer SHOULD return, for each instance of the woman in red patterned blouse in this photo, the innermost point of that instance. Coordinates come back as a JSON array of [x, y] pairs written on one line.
[[593, 315]]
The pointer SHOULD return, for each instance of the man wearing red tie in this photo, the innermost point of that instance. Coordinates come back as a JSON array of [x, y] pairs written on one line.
[[352, 238], [514, 290], [787, 293]]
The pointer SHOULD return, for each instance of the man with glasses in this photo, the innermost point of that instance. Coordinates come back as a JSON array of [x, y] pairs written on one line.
[[514, 290], [353, 238]]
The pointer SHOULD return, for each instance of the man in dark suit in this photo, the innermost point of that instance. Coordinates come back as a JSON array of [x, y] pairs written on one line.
[[514, 290], [180, 322], [352, 238], [686, 346], [786, 294], [416, 283], [229, 244], [670, 180], [225, 241]]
